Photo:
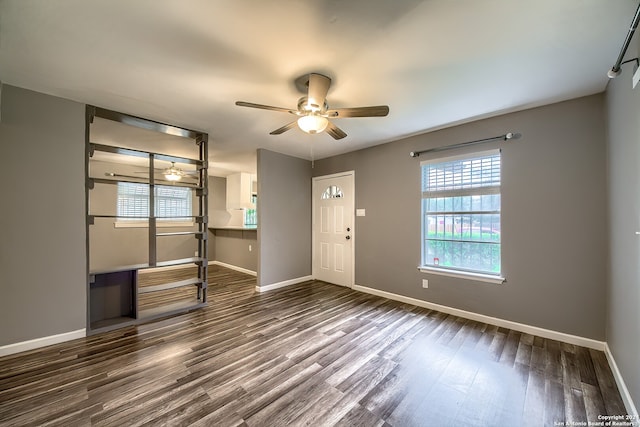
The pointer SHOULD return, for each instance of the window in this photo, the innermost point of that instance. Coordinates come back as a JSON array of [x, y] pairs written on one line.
[[461, 213], [250, 217], [172, 204], [332, 192]]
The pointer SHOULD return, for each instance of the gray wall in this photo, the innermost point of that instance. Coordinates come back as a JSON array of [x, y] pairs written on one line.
[[553, 218], [284, 217], [42, 250], [236, 247], [623, 321]]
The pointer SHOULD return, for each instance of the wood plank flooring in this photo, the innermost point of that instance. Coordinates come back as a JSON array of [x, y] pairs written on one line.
[[312, 354]]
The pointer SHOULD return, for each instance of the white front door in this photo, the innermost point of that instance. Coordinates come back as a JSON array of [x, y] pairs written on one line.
[[333, 233]]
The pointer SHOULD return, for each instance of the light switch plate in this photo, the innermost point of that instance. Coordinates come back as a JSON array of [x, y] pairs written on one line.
[[360, 212], [636, 78]]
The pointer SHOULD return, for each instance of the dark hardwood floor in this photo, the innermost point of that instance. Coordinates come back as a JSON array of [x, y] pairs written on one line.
[[312, 354]]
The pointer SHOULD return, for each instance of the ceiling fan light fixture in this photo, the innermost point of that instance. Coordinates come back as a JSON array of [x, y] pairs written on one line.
[[172, 176], [173, 173], [313, 123]]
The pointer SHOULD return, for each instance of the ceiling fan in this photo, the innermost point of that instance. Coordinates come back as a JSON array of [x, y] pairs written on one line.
[[172, 173], [313, 111]]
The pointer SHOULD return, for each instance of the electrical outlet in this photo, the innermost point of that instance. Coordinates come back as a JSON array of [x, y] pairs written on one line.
[[249, 248], [425, 283], [195, 254]]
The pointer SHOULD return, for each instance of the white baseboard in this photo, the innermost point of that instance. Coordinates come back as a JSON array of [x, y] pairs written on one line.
[[19, 347], [520, 327], [622, 387], [234, 267], [283, 284]]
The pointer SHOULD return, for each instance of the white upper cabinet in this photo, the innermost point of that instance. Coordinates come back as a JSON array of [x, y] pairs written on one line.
[[239, 191]]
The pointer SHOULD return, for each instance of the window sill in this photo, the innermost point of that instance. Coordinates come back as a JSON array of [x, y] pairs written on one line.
[[498, 280], [145, 224]]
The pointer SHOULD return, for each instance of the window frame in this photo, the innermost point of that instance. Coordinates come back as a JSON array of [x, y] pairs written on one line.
[[460, 272], [124, 222]]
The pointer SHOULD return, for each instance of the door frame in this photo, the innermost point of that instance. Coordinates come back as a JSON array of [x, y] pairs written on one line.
[[352, 208]]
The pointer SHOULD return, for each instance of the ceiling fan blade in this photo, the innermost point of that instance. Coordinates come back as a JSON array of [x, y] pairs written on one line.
[[284, 128], [375, 111], [264, 107], [318, 88], [335, 131]]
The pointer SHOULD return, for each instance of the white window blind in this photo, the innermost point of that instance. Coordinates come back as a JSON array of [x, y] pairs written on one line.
[[171, 203], [461, 213]]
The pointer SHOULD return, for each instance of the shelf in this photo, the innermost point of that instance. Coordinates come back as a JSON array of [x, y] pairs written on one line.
[[192, 260], [145, 181], [170, 285], [145, 154], [114, 299], [180, 233], [145, 123], [198, 219], [169, 309], [115, 269], [109, 324], [118, 268]]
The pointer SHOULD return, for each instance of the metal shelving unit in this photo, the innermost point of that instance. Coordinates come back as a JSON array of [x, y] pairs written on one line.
[[113, 293]]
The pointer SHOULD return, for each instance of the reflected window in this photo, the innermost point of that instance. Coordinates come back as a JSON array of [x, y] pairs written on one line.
[[332, 192], [171, 203]]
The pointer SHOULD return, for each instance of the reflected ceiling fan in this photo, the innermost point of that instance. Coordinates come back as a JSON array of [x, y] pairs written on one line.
[[313, 111], [172, 173]]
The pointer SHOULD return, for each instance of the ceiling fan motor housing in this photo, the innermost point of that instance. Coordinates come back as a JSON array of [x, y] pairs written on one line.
[[305, 107]]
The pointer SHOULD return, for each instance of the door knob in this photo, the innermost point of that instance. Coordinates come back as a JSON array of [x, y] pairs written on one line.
[[348, 237]]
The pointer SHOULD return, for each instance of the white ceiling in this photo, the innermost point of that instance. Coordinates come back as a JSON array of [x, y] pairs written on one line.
[[434, 62]]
